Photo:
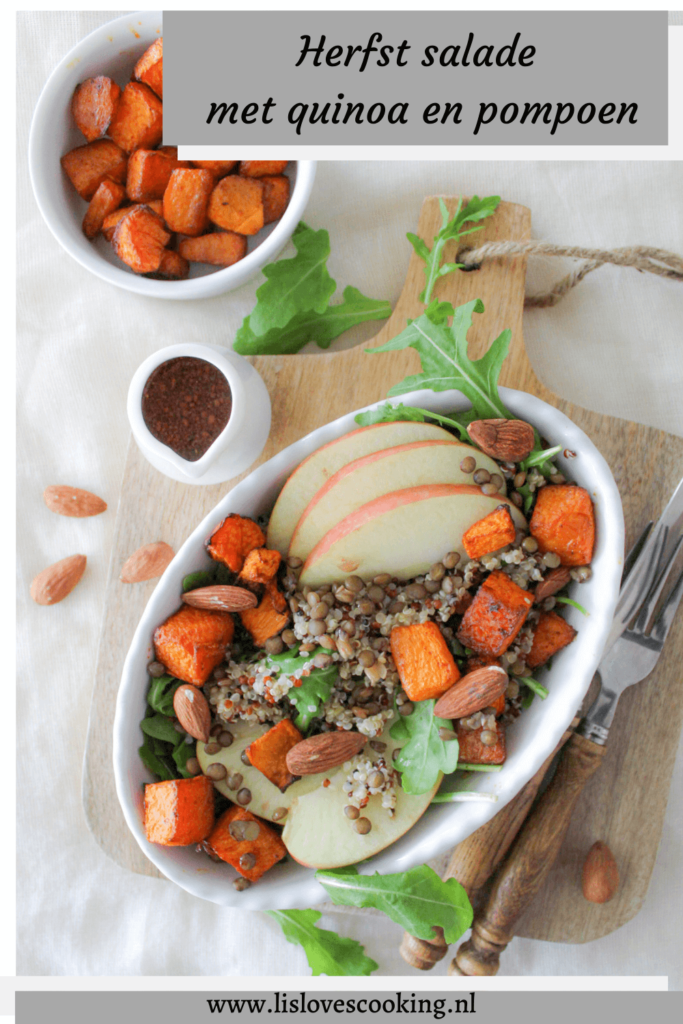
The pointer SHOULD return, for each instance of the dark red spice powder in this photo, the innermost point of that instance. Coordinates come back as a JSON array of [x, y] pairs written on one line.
[[186, 404]]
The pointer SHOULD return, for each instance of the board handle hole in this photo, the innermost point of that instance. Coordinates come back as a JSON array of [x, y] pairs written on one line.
[[467, 268]]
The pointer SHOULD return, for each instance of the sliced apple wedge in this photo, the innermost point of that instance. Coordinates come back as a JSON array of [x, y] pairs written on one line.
[[367, 478], [316, 470], [265, 797], [402, 533], [318, 834]]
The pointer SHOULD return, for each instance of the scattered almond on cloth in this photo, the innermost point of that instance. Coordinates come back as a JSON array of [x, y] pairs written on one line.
[[147, 563]]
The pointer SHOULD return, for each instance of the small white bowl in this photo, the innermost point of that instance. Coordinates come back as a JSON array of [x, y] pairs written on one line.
[[531, 738], [113, 50], [245, 434]]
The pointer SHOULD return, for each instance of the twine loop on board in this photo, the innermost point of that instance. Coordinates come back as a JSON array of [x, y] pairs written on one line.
[[640, 257]]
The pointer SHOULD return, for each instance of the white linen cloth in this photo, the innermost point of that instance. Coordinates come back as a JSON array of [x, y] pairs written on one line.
[[614, 344]]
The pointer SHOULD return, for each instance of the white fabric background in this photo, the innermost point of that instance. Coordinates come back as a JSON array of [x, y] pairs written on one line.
[[613, 345]]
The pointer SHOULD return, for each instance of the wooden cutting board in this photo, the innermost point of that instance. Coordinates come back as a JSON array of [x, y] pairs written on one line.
[[624, 804]]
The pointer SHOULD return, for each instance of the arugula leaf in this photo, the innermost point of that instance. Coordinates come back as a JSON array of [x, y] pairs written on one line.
[[322, 328], [160, 727], [160, 694], [425, 755], [296, 285], [152, 762], [290, 660], [451, 230], [417, 899], [218, 575], [446, 365], [315, 689], [182, 754], [326, 952], [537, 687], [459, 796], [465, 766], [388, 413], [538, 457], [574, 604]]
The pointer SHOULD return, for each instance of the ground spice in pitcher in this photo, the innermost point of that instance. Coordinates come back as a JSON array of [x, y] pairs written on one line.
[[186, 404]]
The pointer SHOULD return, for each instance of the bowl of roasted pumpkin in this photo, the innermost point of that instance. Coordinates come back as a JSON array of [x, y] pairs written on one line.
[[367, 648], [122, 203]]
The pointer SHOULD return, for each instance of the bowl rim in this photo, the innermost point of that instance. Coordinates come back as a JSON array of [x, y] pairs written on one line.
[[209, 285], [433, 833]]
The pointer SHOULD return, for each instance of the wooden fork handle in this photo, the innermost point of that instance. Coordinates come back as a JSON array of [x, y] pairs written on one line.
[[529, 860], [474, 860]]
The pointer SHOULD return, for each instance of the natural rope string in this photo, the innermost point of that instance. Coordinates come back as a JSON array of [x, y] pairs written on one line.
[[652, 261]]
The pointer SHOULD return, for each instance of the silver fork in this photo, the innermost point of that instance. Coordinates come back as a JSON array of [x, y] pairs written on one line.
[[635, 653], [631, 659]]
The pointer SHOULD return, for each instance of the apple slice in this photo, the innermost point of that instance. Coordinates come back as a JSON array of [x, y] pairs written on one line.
[[318, 834], [316, 470], [367, 478], [402, 533], [265, 797]]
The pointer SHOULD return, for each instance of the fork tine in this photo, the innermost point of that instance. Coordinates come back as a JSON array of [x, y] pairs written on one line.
[[643, 574], [638, 545], [652, 599], [663, 624]]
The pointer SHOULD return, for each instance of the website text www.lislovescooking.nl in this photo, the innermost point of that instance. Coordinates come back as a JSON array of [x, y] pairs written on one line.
[[382, 1002]]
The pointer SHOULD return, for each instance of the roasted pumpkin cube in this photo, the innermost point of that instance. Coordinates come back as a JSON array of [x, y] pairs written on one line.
[[260, 566], [149, 171], [495, 616], [220, 248], [275, 197], [179, 812], [264, 621], [268, 753], [236, 204], [493, 532], [173, 266], [234, 539], [261, 168], [563, 522], [150, 68], [111, 220], [219, 168], [192, 642], [186, 200], [138, 121], [93, 105], [267, 847], [88, 166], [473, 751], [423, 661], [106, 200], [140, 238], [552, 634]]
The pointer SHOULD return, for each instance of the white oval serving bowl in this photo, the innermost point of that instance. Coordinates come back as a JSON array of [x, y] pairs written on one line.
[[531, 738], [113, 50]]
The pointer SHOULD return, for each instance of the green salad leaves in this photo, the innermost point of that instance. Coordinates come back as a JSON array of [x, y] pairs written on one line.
[[417, 899], [164, 751], [424, 754], [326, 952], [292, 306], [314, 688], [446, 365]]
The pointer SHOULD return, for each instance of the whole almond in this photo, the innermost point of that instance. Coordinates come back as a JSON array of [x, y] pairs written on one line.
[[147, 562], [600, 879], [54, 583], [72, 501], [550, 584], [476, 690], [192, 711], [507, 440], [221, 599], [320, 753]]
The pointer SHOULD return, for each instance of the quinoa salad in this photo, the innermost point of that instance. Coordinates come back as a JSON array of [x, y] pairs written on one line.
[[285, 690]]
